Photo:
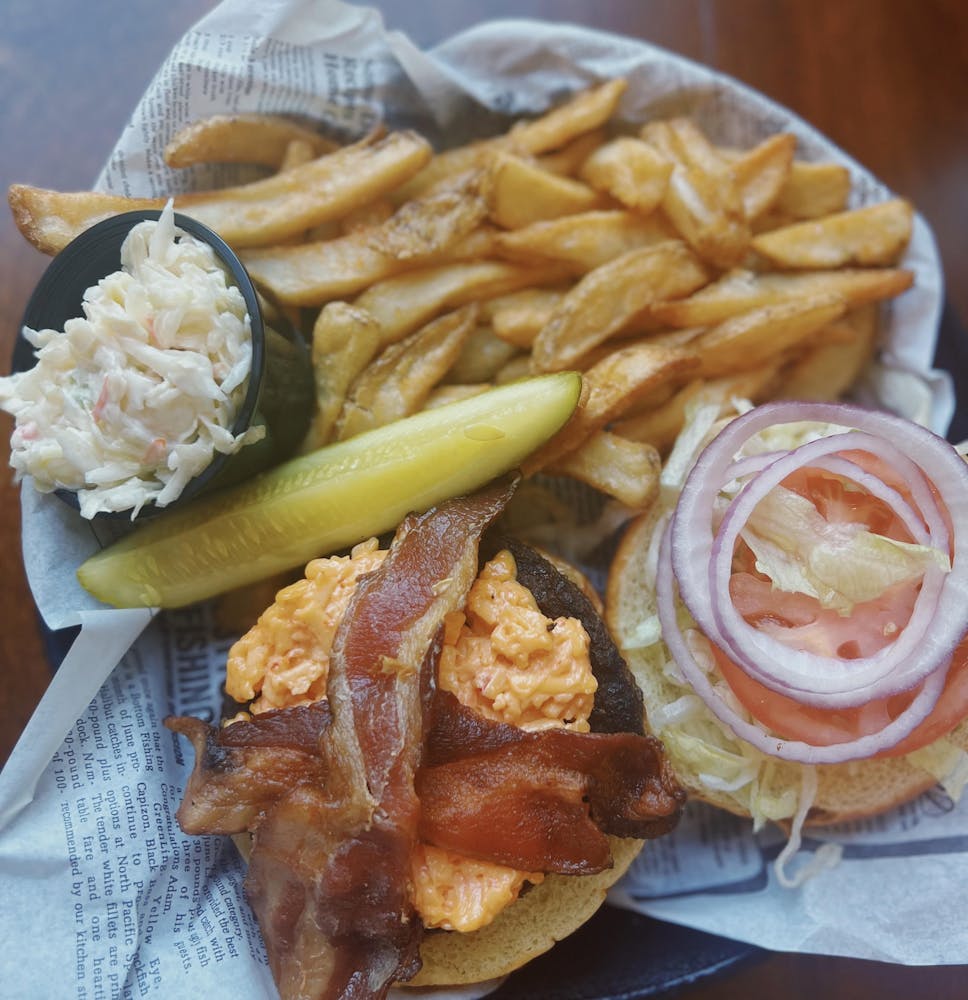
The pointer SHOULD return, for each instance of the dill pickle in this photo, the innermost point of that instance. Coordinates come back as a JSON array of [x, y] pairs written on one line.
[[329, 499]]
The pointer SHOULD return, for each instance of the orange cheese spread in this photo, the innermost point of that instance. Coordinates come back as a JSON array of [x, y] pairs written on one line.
[[501, 656]]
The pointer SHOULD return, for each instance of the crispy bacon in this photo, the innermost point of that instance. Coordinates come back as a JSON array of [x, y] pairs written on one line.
[[329, 877], [540, 801], [243, 770]]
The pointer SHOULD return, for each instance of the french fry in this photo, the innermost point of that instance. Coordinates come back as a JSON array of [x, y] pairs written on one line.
[[873, 235], [451, 392], [827, 371], [631, 171], [522, 193], [584, 241], [569, 159], [626, 470], [813, 190], [518, 367], [753, 338], [345, 340], [243, 138], [374, 213], [611, 295], [247, 215], [483, 355], [702, 198], [588, 110], [404, 303], [585, 112], [661, 426], [298, 152], [310, 274], [741, 290], [397, 383], [762, 173], [518, 318], [611, 386]]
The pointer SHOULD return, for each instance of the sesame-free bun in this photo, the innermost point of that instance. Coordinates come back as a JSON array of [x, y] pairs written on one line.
[[847, 791], [545, 914]]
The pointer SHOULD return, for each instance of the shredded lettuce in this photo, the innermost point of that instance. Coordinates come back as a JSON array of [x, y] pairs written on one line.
[[838, 564]]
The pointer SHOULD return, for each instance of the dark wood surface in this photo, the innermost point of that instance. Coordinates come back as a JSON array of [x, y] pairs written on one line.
[[886, 79]]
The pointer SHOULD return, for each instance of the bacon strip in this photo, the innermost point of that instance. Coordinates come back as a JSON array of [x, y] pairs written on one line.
[[329, 874], [243, 770], [540, 801]]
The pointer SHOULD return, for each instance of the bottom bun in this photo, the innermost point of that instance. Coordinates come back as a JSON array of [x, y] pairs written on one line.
[[848, 791], [542, 916]]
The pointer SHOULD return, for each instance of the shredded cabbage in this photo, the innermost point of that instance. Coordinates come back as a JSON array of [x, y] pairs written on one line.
[[133, 399]]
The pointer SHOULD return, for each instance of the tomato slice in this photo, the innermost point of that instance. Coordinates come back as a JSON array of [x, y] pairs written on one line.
[[799, 621]]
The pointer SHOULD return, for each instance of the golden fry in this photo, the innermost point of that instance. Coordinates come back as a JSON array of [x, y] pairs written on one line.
[[813, 190], [753, 338], [588, 110], [522, 193], [310, 274], [741, 290], [519, 317], [873, 235], [584, 241], [702, 198], [244, 138], [404, 303], [762, 173], [568, 160], [631, 171], [611, 295], [247, 215], [345, 341], [397, 383], [612, 385], [483, 355], [626, 470]]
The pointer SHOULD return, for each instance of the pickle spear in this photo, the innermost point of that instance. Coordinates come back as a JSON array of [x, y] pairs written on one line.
[[329, 499]]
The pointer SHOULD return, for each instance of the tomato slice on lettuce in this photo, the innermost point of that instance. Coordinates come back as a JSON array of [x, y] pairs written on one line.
[[798, 620]]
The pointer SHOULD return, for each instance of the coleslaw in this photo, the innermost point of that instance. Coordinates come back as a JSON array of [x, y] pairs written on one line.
[[134, 398]]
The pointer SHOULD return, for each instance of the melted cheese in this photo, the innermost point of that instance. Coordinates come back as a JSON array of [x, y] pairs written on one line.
[[505, 659], [284, 657], [501, 656]]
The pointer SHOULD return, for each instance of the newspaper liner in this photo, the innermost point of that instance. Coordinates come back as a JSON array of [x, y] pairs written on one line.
[[103, 895]]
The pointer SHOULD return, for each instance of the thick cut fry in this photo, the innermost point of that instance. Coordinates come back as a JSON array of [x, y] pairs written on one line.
[[248, 215], [568, 160], [702, 198], [741, 290], [245, 138], [762, 173], [404, 303], [375, 213], [624, 469], [753, 338], [298, 152], [873, 235], [584, 241], [827, 371], [450, 393], [588, 110], [516, 368], [310, 274], [813, 190], [631, 171], [483, 355], [606, 299], [401, 378], [610, 386], [345, 341], [661, 425], [519, 317], [522, 193]]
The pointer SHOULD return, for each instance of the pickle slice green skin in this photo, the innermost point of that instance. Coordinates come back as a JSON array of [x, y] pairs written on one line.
[[330, 499]]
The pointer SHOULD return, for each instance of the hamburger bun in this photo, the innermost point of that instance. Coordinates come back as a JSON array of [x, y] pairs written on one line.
[[848, 791]]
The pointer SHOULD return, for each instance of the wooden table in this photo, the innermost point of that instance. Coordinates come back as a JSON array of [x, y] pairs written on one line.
[[886, 80]]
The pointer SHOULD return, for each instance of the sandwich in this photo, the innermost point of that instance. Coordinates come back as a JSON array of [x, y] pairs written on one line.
[[794, 607], [436, 762]]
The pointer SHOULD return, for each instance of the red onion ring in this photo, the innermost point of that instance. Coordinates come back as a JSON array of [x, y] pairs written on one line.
[[699, 559]]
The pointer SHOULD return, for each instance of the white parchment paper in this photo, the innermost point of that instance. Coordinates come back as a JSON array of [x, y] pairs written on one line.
[[102, 894]]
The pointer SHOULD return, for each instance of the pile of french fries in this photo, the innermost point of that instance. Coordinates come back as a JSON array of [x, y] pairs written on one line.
[[667, 269]]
